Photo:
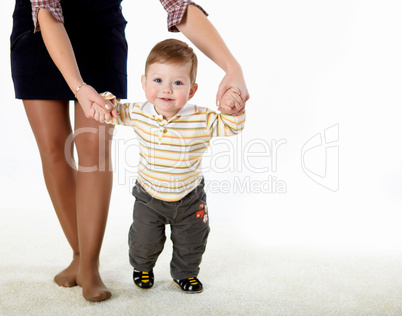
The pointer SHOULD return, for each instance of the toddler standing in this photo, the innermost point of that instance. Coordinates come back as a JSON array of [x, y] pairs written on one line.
[[173, 135]]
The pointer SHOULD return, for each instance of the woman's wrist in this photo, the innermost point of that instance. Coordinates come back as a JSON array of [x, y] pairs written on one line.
[[74, 81], [79, 88], [233, 67]]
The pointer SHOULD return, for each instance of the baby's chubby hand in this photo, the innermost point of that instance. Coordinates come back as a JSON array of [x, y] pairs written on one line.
[[231, 102]]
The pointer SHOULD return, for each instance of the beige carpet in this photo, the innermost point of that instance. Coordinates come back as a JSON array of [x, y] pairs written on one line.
[[239, 278]]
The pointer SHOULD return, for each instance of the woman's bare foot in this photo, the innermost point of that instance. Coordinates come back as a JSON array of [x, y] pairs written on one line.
[[68, 277], [93, 288]]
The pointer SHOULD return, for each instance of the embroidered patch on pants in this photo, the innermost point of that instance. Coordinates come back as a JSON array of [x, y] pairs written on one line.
[[202, 212]]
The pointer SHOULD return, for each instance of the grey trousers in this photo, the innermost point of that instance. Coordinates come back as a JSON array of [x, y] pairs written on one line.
[[189, 223]]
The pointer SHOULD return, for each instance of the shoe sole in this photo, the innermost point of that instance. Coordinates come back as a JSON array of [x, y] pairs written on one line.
[[187, 292], [143, 288]]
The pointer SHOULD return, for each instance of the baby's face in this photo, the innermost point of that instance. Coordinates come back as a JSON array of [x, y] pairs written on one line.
[[168, 87]]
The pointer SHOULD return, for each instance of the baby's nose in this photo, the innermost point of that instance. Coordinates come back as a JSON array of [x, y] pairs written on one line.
[[167, 89]]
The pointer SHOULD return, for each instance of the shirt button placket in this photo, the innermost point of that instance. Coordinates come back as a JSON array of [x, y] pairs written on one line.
[[162, 129]]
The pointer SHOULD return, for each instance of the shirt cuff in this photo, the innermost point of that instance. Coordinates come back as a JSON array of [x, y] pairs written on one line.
[[54, 8], [176, 13], [110, 97]]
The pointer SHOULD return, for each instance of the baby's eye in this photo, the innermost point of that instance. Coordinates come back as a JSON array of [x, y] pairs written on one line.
[[178, 83], [158, 80]]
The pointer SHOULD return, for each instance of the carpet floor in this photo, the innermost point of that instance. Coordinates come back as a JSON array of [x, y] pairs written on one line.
[[239, 278]]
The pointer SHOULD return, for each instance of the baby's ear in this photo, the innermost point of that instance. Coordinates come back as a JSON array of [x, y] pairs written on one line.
[[143, 81], [193, 90]]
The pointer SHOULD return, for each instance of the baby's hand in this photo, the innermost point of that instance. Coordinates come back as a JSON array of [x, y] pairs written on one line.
[[231, 102]]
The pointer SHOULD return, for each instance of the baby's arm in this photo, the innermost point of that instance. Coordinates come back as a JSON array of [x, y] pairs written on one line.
[[231, 102], [220, 124]]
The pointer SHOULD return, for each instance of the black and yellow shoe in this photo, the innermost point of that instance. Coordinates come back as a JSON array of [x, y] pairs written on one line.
[[190, 285], [144, 280]]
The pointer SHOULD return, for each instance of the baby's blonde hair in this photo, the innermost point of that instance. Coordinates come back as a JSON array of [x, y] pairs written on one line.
[[173, 51]]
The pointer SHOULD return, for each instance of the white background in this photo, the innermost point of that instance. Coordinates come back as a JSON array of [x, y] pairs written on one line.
[[309, 65]]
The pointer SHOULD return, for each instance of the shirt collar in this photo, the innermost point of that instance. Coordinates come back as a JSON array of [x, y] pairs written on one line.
[[149, 109]]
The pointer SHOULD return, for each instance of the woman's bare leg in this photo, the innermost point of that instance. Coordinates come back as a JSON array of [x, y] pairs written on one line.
[[94, 185], [51, 126]]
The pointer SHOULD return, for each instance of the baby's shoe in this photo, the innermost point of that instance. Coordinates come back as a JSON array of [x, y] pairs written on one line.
[[190, 285], [144, 280]]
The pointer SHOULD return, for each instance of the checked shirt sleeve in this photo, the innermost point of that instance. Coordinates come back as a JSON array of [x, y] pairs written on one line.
[[53, 6], [176, 10]]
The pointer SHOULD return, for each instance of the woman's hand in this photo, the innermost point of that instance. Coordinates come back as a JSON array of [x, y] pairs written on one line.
[[230, 100], [235, 101], [98, 114], [201, 32], [95, 106]]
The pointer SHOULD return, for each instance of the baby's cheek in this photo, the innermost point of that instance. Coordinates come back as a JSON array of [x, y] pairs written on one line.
[[150, 95]]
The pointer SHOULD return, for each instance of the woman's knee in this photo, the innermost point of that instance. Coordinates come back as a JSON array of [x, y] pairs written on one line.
[[51, 130], [52, 151], [93, 146]]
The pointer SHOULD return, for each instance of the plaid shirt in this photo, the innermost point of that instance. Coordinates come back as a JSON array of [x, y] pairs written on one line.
[[174, 8]]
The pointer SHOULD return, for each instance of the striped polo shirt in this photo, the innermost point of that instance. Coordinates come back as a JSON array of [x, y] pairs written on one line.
[[171, 151]]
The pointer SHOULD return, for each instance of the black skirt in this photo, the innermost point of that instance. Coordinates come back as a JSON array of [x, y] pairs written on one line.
[[96, 31]]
